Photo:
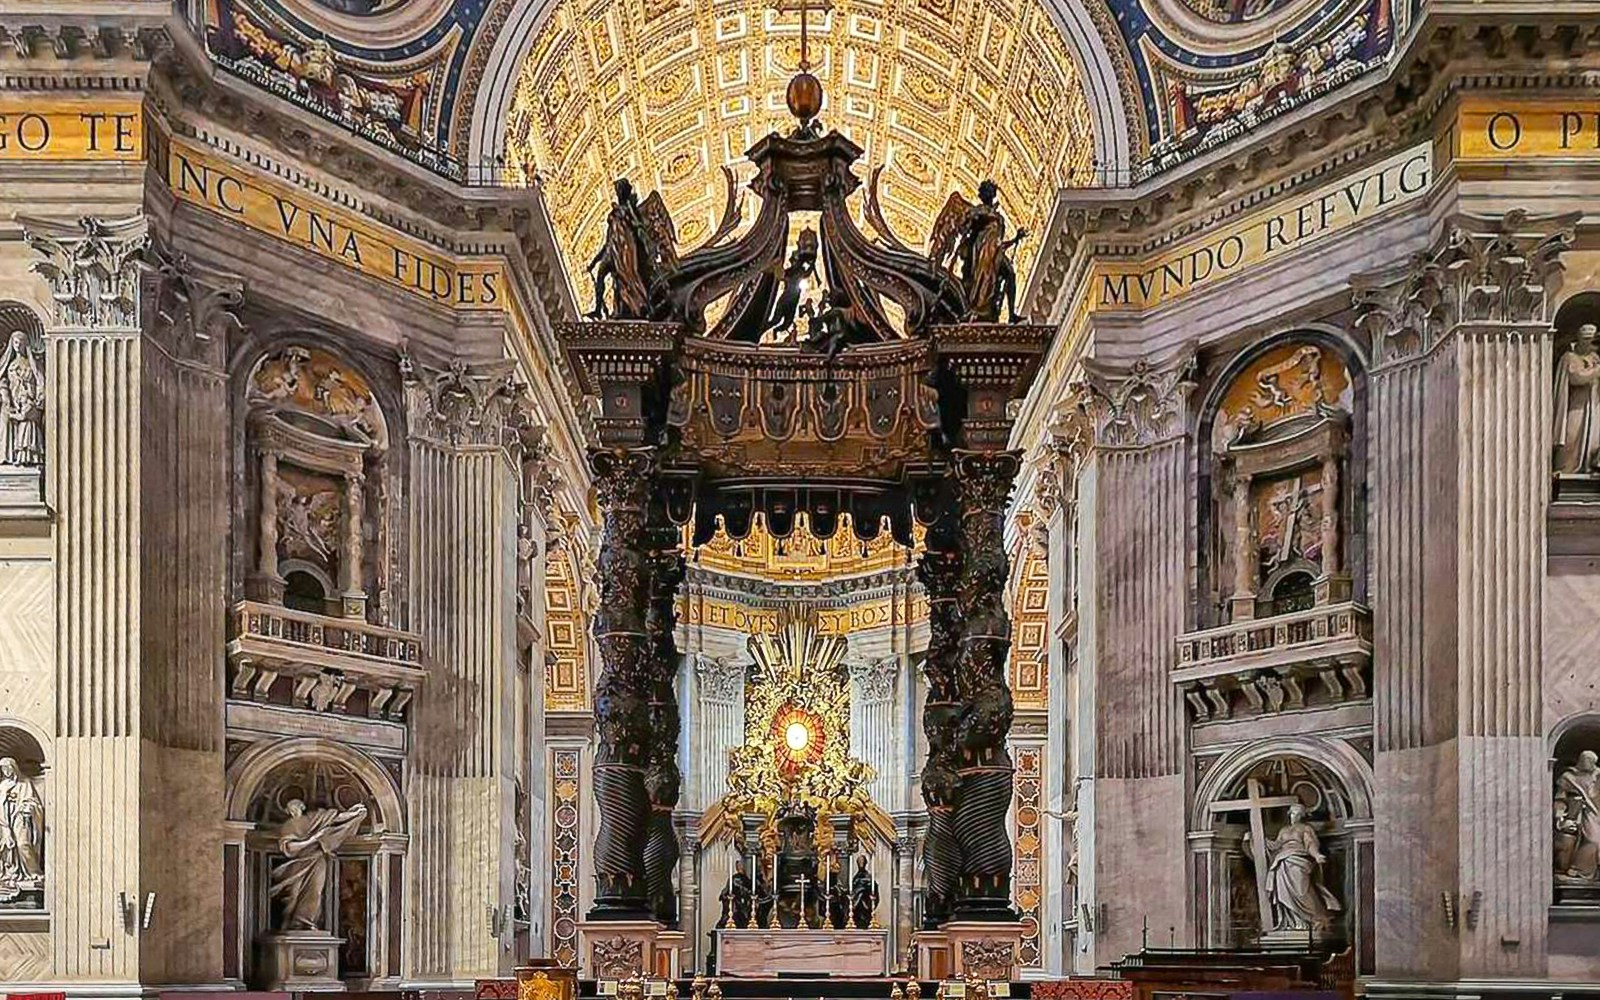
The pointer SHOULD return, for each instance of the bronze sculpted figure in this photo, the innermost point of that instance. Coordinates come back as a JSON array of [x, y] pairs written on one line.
[[640, 244], [802, 267], [975, 236], [863, 895], [736, 899]]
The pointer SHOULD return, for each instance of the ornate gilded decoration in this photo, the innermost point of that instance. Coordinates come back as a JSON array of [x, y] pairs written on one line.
[[797, 727], [313, 388], [941, 96], [566, 640], [799, 556], [1030, 613]]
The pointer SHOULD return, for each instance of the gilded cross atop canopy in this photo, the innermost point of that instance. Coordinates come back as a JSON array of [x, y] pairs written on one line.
[[804, 9]]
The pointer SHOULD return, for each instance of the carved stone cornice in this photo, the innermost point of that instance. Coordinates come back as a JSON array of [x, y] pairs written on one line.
[[1485, 272], [1133, 407], [93, 269], [37, 36], [195, 308], [464, 405]]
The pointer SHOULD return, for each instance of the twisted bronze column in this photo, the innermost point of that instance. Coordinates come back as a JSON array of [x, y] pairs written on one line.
[[663, 779], [940, 571], [624, 480], [985, 767]]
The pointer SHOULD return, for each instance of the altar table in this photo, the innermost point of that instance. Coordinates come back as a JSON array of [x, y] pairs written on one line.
[[755, 952]]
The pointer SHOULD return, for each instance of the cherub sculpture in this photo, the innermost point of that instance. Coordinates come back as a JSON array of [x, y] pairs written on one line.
[[975, 236], [640, 243]]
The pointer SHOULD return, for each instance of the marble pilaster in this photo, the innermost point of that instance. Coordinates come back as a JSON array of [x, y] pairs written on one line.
[[1461, 398], [1132, 490], [463, 495], [92, 417]]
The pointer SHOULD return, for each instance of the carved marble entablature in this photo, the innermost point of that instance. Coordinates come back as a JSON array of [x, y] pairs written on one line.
[[1133, 406], [1304, 660]]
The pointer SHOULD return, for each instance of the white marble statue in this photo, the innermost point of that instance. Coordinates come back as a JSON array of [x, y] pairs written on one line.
[[21, 832], [1300, 902], [308, 842], [21, 403], [1577, 848], [1577, 389]]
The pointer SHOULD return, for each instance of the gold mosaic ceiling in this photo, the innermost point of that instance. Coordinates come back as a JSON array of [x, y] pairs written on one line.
[[942, 93]]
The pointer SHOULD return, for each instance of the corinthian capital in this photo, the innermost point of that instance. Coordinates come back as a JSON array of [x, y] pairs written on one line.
[[1486, 270], [480, 404], [196, 309], [1138, 405], [92, 267]]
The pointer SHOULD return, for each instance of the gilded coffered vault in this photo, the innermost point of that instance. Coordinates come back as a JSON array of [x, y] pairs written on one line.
[[941, 95]]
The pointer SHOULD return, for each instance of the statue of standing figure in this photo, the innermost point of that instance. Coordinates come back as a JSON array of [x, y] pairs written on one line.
[[308, 841], [1577, 847], [1577, 405], [640, 243], [863, 895], [1300, 902], [21, 833], [21, 403], [975, 235]]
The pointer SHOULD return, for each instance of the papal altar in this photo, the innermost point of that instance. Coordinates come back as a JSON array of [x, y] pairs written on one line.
[[755, 952]]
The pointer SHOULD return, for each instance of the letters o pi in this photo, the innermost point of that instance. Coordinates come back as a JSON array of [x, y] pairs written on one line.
[[1492, 132]]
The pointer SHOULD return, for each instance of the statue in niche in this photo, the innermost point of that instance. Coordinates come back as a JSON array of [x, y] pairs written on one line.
[[1577, 389], [1300, 902], [21, 833], [736, 898], [1577, 820], [975, 235], [308, 841], [863, 895], [21, 403]]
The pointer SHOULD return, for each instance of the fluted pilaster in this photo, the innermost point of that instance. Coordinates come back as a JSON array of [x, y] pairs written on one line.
[[463, 515]]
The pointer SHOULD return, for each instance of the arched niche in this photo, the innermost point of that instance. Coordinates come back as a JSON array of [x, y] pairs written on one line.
[[22, 405], [364, 890], [1282, 463], [23, 816], [1575, 818], [1270, 808], [1575, 408], [317, 442]]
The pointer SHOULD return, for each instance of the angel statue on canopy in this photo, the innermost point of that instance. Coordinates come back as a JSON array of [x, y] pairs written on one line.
[[640, 245], [975, 235]]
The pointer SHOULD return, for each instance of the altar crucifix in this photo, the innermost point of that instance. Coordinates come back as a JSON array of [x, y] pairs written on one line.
[[1257, 804]]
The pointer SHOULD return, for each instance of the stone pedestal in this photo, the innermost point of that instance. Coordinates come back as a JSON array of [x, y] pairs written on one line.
[[21, 485], [619, 949], [296, 961], [984, 950], [753, 952]]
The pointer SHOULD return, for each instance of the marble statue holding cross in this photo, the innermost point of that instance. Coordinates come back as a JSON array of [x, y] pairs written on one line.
[[1293, 902]]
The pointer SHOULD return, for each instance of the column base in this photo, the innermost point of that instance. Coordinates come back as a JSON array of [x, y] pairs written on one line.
[[297, 961], [622, 949], [985, 949]]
